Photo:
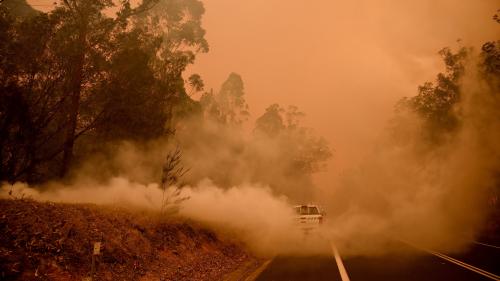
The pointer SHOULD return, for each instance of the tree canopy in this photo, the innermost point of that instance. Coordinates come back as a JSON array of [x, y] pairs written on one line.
[[76, 77]]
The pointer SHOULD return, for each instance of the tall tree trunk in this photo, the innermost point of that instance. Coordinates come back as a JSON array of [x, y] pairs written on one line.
[[74, 105]]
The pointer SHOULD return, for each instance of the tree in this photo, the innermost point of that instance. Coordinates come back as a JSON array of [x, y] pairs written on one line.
[[76, 72], [271, 122], [172, 172], [177, 25], [80, 18], [196, 83], [228, 106], [86, 43], [490, 63], [306, 153], [435, 102], [32, 95]]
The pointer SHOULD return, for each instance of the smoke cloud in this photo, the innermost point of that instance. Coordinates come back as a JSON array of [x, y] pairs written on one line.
[[248, 214], [433, 199], [386, 188]]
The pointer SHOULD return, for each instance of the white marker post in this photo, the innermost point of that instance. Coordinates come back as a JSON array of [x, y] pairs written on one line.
[[96, 252]]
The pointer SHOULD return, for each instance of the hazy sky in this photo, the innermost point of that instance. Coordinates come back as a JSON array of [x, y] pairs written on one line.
[[343, 62]]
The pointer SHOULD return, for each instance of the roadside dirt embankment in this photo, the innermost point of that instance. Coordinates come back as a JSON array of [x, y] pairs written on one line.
[[48, 241]]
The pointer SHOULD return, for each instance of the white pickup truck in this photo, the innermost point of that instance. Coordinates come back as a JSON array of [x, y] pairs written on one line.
[[308, 217]]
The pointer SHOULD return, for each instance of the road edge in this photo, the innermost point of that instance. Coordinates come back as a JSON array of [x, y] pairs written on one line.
[[249, 271], [253, 276]]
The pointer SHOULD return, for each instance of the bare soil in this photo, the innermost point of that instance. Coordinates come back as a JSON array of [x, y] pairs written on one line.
[[48, 241]]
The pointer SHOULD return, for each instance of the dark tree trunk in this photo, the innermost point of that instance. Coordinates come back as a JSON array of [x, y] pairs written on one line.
[[74, 104]]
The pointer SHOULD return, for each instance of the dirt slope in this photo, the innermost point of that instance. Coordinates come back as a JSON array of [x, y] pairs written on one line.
[[47, 241]]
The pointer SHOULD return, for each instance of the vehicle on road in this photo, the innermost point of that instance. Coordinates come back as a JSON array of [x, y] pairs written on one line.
[[309, 217]]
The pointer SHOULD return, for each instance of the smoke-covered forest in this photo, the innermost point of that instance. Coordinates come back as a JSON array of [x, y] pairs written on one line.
[[99, 104], [89, 76]]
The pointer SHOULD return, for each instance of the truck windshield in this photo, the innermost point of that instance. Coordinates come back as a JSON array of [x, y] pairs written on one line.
[[313, 211], [306, 210]]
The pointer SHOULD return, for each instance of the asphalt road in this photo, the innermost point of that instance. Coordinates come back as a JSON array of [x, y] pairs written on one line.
[[410, 264]]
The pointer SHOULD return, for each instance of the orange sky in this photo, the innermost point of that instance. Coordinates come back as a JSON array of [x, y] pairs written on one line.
[[343, 62]]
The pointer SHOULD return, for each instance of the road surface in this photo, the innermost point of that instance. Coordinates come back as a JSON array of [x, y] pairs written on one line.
[[479, 263]]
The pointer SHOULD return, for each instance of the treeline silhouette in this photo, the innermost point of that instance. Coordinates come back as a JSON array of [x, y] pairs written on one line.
[[87, 73]]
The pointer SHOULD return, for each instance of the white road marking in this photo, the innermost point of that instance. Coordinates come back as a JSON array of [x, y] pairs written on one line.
[[457, 262], [465, 265], [487, 245], [340, 264]]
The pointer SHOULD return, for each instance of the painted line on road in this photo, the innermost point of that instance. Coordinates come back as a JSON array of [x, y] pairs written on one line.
[[465, 265], [340, 264], [457, 262], [487, 245], [258, 271]]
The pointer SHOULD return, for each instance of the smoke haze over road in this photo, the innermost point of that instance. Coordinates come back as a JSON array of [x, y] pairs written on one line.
[[345, 64]]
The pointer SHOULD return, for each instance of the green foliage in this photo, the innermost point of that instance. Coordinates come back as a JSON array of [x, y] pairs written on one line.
[[228, 106], [196, 83], [31, 90], [490, 63], [74, 78], [281, 153], [435, 101], [307, 153], [437, 104], [271, 122]]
